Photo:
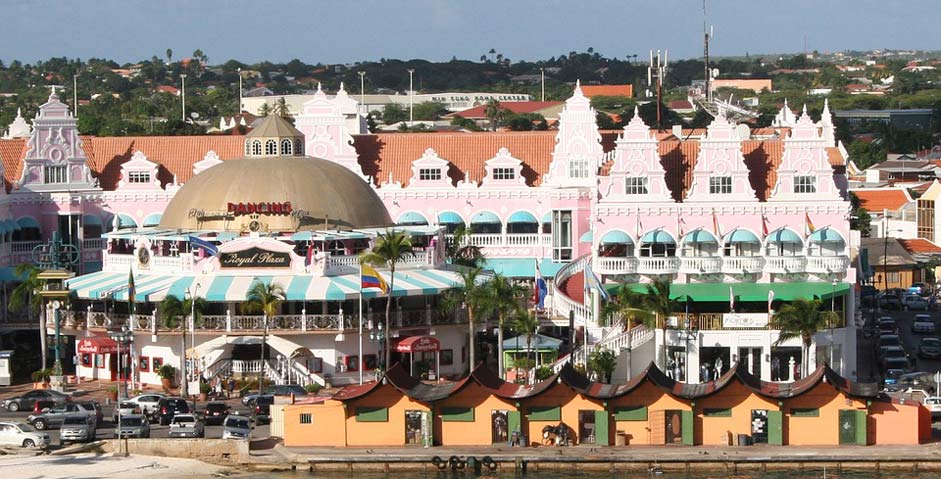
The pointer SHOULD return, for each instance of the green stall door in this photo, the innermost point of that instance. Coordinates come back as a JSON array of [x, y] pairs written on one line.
[[862, 435], [775, 428], [687, 426], [602, 436], [852, 426], [513, 422]]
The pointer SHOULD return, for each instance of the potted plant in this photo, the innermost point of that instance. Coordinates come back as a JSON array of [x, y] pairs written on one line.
[[41, 378], [113, 393], [167, 374], [204, 390]]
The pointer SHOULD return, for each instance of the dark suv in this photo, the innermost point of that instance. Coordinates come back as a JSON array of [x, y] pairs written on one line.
[[216, 413], [261, 409], [168, 407]]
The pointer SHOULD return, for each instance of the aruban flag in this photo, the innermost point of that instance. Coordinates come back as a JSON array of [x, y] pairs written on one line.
[[715, 225], [592, 281], [369, 278], [541, 290], [770, 299], [810, 224], [131, 289]]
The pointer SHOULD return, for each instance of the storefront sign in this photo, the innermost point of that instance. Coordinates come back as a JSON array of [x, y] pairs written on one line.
[[239, 209], [255, 258], [99, 345], [745, 320]]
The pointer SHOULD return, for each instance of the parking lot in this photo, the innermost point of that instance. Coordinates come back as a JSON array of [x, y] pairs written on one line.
[[869, 348], [105, 429]]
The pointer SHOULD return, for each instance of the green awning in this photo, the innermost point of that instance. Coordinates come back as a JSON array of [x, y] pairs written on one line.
[[522, 217], [747, 292], [90, 220], [826, 235], [742, 236], [616, 237], [784, 236], [450, 218], [658, 236], [700, 236]]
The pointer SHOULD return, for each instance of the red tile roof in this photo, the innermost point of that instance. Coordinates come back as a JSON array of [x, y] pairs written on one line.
[[11, 155], [920, 245], [607, 90], [877, 200], [516, 107], [680, 105]]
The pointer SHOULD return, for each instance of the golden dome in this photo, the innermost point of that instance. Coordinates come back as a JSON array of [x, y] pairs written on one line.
[[275, 194]]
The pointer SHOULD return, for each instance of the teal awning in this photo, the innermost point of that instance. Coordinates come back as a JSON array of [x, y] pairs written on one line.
[[658, 236], [547, 218], [485, 217], [616, 237], [537, 342], [450, 218], [152, 219], [11, 225], [587, 237], [522, 267], [27, 222], [226, 236], [302, 236], [784, 236], [522, 217], [742, 236], [412, 218], [700, 236], [826, 235], [91, 220], [125, 221]]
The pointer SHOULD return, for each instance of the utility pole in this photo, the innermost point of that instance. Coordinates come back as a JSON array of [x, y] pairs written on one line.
[[75, 95], [240, 91], [542, 75], [411, 96], [655, 74], [362, 93], [705, 32], [183, 94]]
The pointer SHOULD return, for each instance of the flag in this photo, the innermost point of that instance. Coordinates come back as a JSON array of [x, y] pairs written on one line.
[[310, 253], [208, 247], [369, 278], [715, 225], [131, 289], [731, 300], [541, 290], [770, 299], [593, 282], [764, 224], [680, 225], [810, 225]]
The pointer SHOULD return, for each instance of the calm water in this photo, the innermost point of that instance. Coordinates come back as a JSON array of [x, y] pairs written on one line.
[[805, 474]]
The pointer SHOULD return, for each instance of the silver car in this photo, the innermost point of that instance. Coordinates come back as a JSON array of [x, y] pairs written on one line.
[[133, 425], [186, 425], [77, 428], [236, 427], [23, 435]]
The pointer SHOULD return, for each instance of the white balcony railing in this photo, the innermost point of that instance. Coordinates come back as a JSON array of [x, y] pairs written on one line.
[[742, 264], [24, 246], [532, 239], [659, 265], [93, 244], [827, 264], [785, 264], [614, 265], [700, 265]]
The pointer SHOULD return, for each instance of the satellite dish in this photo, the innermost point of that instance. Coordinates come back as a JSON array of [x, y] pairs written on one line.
[[715, 72], [194, 115]]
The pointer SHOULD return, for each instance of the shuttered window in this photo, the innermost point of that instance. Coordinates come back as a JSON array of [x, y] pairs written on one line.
[[457, 414], [805, 412], [717, 412], [372, 414], [545, 413]]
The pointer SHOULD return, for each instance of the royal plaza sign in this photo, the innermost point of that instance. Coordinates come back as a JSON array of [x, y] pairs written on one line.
[[238, 209], [255, 258]]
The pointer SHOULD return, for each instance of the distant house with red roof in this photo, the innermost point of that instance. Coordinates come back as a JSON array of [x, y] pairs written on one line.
[[548, 109], [592, 91], [168, 89]]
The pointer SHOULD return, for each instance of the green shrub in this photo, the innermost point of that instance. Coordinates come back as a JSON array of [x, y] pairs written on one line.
[[313, 388]]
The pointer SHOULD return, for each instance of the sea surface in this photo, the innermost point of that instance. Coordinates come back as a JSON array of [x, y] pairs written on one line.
[[805, 474]]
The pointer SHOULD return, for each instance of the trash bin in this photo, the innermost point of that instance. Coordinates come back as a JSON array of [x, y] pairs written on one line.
[[524, 441], [744, 440], [620, 439], [515, 439]]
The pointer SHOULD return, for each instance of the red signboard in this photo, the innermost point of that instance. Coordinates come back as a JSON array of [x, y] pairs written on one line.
[[418, 344], [99, 345], [260, 208]]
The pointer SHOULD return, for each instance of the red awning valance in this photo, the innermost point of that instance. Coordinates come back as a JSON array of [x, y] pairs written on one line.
[[418, 344], [99, 345]]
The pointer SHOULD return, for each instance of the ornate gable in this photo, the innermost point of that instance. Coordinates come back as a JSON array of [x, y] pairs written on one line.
[[636, 172], [139, 173], [720, 174], [55, 160], [577, 154], [325, 131], [211, 159], [430, 171], [503, 170], [805, 172]]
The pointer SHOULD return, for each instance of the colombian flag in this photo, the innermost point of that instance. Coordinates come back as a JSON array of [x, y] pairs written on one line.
[[369, 278]]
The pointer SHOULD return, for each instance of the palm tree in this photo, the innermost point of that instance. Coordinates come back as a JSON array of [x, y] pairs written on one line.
[[173, 310], [658, 301], [460, 251], [802, 318], [494, 113], [506, 297], [526, 323], [390, 248], [281, 108], [629, 308], [265, 299], [24, 295], [169, 55], [473, 296]]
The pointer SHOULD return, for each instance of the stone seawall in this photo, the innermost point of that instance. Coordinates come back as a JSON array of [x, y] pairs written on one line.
[[213, 451]]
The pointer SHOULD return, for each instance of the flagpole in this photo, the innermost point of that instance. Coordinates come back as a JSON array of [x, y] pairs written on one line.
[[361, 365]]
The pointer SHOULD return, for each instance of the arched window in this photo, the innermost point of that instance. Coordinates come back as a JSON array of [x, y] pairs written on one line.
[[286, 147], [256, 148], [271, 148], [298, 147]]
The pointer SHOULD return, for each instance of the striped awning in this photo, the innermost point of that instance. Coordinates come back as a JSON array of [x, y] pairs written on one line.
[[105, 284]]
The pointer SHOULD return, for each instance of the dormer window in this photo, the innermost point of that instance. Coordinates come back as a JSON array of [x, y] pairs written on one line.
[[720, 185], [635, 185], [504, 174], [256, 148], [805, 184], [55, 174], [298, 147], [579, 168], [271, 148], [429, 174], [287, 147], [138, 177]]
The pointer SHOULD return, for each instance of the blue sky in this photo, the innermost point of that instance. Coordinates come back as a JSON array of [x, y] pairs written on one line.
[[342, 31]]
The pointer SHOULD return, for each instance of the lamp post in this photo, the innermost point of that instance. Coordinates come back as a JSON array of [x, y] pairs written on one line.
[[122, 336], [55, 258], [183, 94], [362, 91], [191, 295], [240, 91], [411, 90], [542, 78], [378, 335]]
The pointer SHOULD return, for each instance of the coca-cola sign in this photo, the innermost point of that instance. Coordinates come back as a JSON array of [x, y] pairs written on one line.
[[420, 344], [255, 258]]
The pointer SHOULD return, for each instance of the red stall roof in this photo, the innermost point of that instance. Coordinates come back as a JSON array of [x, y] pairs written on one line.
[[418, 344]]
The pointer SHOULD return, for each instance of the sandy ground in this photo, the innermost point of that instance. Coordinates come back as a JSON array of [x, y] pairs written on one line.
[[88, 466]]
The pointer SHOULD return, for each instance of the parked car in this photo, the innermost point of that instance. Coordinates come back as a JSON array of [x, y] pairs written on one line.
[[28, 399], [899, 364], [125, 408], [215, 413], [23, 435], [186, 425], [286, 390], [77, 428], [920, 380], [147, 402], [261, 409], [248, 399], [933, 403], [236, 427], [56, 415], [169, 407], [133, 425], [888, 324], [929, 348], [890, 340], [923, 324], [889, 301], [913, 302], [921, 289]]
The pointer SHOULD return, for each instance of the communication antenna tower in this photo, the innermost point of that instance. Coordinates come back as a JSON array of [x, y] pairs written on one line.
[[656, 72]]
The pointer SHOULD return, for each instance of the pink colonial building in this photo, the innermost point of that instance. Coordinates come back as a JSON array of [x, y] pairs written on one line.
[[741, 221]]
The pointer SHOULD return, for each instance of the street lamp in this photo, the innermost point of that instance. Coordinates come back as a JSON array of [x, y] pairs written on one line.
[[191, 295], [183, 94], [378, 335], [362, 91], [122, 336]]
